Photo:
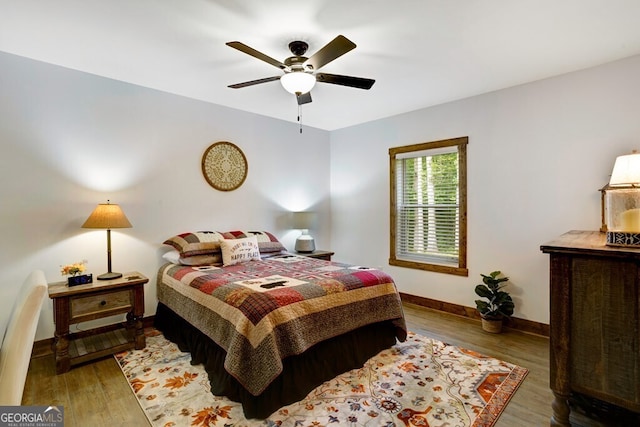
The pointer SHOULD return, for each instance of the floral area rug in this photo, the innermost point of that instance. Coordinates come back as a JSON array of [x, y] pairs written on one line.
[[421, 382]]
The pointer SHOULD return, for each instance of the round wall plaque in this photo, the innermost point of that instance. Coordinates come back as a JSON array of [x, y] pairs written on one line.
[[224, 166]]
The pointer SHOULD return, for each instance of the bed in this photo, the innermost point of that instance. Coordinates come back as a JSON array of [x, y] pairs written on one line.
[[269, 326]]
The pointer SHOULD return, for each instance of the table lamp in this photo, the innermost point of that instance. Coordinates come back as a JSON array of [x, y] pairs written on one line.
[[621, 202], [107, 216], [303, 221]]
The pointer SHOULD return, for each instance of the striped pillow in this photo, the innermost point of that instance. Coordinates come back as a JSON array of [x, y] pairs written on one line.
[[196, 243]]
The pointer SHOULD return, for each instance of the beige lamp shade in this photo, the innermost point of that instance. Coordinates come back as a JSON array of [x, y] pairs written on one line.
[[107, 216], [303, 220], [626, 170]]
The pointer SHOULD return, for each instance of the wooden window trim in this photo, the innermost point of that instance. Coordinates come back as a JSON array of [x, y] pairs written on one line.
[[461, 269]]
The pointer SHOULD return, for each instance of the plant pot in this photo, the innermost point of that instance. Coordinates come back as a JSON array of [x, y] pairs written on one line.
[[493, 326]]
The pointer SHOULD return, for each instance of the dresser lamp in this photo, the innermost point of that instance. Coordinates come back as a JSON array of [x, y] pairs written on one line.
[[620, 202], [303, 221], [107, 216]]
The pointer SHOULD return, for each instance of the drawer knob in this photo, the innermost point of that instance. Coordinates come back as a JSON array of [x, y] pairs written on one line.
[[103, 303]]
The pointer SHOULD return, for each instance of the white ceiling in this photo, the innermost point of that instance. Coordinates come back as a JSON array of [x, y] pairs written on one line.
[[420, 52]]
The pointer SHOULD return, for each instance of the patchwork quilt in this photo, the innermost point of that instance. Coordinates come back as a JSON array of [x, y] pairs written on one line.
[[261, 312]]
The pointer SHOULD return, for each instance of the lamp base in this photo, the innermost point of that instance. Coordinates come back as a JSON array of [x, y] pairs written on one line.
[[109, 276], [305, 244]]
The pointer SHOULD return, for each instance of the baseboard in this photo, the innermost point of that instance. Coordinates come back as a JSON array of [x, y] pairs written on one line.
[[460, 310], [45, 347]]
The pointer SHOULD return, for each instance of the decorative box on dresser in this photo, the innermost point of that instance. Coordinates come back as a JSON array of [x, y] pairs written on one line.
[[594, 322], [100, 299]]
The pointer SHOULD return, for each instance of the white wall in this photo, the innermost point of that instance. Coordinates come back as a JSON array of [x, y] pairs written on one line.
[[71, 140], [537, 155]]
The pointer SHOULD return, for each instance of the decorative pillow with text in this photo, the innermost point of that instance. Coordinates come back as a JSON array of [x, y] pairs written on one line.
[[235, 251]]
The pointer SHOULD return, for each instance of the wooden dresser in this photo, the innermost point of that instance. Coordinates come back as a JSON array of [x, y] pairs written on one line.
[[594, 324]]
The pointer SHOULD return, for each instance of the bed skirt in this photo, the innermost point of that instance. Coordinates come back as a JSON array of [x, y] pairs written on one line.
[[301, 374]]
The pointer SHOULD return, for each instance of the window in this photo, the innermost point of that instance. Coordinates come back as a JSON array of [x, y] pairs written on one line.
[[429, 206]]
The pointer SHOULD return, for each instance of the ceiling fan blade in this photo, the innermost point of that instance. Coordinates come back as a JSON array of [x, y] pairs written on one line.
[[261, 56], [332, 50], [303, 98], [254, 82], [336, 79]]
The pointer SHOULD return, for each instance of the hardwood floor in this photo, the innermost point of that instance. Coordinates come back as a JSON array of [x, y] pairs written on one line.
[[94, 394], [97, 394]]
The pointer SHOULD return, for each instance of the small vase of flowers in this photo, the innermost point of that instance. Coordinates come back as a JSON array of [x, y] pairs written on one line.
[[74, 271]]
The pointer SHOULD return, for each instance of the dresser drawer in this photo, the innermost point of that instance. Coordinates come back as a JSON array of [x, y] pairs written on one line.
[[90, 307]]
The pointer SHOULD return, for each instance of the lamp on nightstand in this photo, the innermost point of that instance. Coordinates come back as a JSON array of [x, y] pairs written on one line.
[[107, 216], [303, 221]]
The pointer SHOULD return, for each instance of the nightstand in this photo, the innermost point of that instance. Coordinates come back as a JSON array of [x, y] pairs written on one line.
[[325, 255], [102, 298]]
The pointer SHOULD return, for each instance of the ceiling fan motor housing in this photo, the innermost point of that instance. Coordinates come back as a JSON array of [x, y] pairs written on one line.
[[298, 47], [296, 63]]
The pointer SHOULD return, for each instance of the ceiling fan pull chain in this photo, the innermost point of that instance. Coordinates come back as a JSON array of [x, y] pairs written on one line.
[[300, 116]]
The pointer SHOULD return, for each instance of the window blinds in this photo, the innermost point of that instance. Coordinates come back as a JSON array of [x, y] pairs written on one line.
[[428, 210]]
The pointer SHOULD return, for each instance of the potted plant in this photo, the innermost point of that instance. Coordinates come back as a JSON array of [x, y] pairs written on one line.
[[496, 305]]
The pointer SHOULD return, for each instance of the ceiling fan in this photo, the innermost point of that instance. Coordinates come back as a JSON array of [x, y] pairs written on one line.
[[300, 72]]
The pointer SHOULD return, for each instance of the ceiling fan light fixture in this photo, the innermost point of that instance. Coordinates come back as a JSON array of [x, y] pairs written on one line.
[[298, 82]]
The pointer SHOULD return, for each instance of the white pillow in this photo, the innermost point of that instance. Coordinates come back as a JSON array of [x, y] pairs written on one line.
[[235, 251], [172, 256]]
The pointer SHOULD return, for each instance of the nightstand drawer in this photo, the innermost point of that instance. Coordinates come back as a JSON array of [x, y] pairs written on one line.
[[101, 305]]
